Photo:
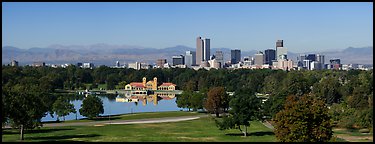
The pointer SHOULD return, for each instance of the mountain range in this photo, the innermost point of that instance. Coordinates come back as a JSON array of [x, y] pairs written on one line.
[[105, 54]]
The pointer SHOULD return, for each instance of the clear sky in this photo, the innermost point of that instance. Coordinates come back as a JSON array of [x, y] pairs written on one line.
[[303, 26]]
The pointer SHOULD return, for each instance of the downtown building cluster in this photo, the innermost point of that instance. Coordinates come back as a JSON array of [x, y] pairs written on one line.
[[272, 58]]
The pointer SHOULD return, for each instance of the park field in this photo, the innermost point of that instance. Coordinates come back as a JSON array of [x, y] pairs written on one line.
[[133, 116], [202, 129], [198, 130]]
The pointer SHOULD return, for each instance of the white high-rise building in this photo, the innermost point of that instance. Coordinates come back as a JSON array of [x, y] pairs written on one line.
[[136, 65], [117, 64], [190, 58]]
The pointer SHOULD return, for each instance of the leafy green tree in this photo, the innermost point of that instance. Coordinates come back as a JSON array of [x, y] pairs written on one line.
[[328, 89], [25, 106], [303, 119], [244, 108], [91, 107], [295, 84], [217, 100], [197, 100], [272, 82], [63, 107], [111, 81], [122, 85], [183, 100]]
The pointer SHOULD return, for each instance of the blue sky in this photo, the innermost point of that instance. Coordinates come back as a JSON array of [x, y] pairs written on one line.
[[248, 25]]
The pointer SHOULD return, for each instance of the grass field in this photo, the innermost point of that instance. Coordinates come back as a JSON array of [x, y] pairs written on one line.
[[202, 129], [143, 115]]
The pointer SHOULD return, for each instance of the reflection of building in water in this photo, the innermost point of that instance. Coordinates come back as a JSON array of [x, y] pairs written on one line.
[[154, 98], [150, 85]]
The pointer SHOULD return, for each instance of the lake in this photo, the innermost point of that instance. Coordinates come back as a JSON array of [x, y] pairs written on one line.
[[121, 104]]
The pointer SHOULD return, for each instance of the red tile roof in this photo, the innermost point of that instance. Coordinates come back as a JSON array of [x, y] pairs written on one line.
[[137, 84], [167, 84]]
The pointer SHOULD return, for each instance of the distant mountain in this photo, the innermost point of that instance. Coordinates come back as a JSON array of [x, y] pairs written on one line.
[[362, 55], [104, 54]]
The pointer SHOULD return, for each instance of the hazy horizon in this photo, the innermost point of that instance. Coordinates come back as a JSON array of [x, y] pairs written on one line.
[[303, 26]]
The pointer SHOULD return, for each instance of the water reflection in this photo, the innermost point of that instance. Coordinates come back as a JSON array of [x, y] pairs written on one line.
[[125, 103], [131, 96]]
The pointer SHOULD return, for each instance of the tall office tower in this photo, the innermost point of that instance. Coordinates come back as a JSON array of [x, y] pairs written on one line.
[[311, 57], [259, 58], [281, 53], [270, 55], [199, 52], [160, 62], [189, 58], [203, 50], [117, 64], [320, 60], [219, 56], [206, 49], [300, 59], [307, 64], [235, 56], [280, 43], [177, 60]]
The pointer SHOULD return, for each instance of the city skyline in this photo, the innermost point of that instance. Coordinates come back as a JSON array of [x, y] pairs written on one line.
[[245, 26]]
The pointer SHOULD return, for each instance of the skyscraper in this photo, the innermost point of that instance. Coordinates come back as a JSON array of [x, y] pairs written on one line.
[[280, 43], [281, 53], [190, 58], [270, 55], [311, 57], [235, 56], [259, 58], [199, 52], [203, 50], [177, 60], [206, 49], [320, 60], [219, 56]]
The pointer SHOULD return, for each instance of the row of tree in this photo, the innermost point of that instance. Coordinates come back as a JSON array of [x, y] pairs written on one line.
[[348, 94]]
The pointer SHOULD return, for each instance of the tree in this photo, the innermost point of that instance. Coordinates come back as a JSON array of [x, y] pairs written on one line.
[[62, 107], [328, 89], [25, 106], [183, 100], [245, 107], [121, 85], [197, 100], [295, 84], [303, 119], [217, 100], [111, 81], [91, 107]]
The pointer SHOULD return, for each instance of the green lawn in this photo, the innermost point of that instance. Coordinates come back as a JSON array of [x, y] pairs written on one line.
[[202, 129], [143, 115]]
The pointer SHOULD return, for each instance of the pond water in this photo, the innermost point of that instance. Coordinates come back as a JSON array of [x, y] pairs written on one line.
[[122, 104]]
